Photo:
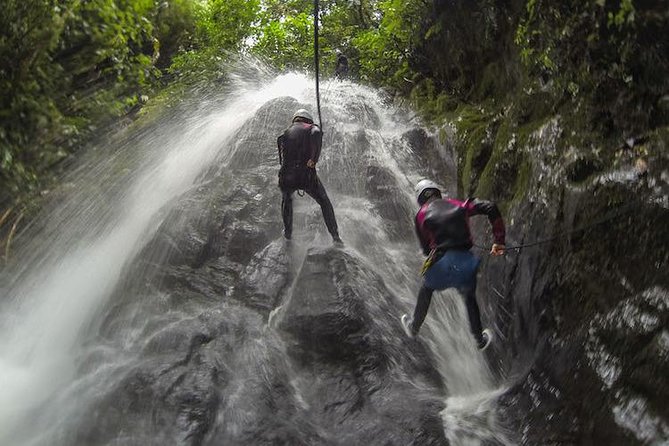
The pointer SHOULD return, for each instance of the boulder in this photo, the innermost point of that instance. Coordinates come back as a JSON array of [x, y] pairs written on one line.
[[352, 357]]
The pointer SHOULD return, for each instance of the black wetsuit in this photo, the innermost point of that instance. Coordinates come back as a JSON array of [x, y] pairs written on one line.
[[341, 71], [300, 143]]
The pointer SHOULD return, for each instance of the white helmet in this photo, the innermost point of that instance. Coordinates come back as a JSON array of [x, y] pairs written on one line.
[[424, 185], [302, 113]]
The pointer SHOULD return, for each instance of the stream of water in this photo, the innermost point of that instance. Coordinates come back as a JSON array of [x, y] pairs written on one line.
[[70, 264]]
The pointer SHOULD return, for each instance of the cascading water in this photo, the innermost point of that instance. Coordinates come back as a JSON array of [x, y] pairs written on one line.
[[469, 416], [102, 310]]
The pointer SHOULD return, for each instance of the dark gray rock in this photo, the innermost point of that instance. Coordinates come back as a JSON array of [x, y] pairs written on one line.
[[266, 276], [579, 314], [390, 202], [207, 369], [429, 157], [214, 379], [255, 145], [351, 359]]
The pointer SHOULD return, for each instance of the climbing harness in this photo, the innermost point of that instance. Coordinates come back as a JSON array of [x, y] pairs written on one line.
[[428, 262], [316, 64]]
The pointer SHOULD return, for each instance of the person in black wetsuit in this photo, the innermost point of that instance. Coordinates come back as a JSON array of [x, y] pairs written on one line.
[[299, 149], [341, 70], [442, 226]]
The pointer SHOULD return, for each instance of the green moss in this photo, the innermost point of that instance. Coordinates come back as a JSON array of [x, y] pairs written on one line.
[[475, 132], [506, 176], [443, 136], [477, 158], [522, 182], [531, 104], [444, 104], [433, 105], [498, 172], [492, 82]]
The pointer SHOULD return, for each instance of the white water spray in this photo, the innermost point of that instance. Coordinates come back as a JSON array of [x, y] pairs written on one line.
[[66, 283], [469, 417], [48, 308]]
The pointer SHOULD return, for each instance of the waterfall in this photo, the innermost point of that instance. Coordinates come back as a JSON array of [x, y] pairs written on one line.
[[54, 362]]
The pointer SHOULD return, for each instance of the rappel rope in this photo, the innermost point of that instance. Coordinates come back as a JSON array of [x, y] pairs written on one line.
[[316, 64], [608, 217], [300, 193]]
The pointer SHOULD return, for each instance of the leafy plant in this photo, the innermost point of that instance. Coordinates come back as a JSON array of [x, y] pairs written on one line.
[[608, 51]]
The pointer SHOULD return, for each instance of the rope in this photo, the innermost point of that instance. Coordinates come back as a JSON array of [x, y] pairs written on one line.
[[316, 64], [526, 245], [607, 217]]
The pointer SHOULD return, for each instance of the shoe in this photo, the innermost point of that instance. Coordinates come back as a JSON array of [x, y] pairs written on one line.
[[337, 241], [287, 235], [486, 339], [406, 325]]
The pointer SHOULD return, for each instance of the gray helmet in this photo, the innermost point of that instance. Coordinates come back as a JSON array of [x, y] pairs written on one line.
[[302, 113], [424, 185]]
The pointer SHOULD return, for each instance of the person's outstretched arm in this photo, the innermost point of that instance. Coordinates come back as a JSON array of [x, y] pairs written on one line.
[[488, 208]]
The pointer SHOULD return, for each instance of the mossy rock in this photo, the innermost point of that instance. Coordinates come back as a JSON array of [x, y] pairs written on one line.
[[476, 130], [522, 183], [432, 104], [533, 105], [583, 168], [498, 174], [495, 82]]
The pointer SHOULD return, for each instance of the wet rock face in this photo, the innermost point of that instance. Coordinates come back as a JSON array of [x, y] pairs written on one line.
[[332, 368], [265, 277], [389, 198], [230, 335], [234, 336], [213, 379], [585, 314], [430, 159], [350, 358], [628, 348], [255, 144], [325, 316]]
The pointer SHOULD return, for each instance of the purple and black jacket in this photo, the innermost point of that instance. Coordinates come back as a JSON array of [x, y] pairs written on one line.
[[443, 224]]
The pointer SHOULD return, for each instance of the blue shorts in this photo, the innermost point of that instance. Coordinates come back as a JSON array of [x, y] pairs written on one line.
[[456, 269]]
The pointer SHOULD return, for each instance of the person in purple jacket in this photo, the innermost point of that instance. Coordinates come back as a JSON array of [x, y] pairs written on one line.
[[442, 226]]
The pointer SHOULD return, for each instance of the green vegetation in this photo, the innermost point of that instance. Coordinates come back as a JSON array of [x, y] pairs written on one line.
[[70, 68], [607, 52], [499, 69], [64, 67]]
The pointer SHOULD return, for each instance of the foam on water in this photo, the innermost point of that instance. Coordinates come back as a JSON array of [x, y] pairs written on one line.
[[61, 288]]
